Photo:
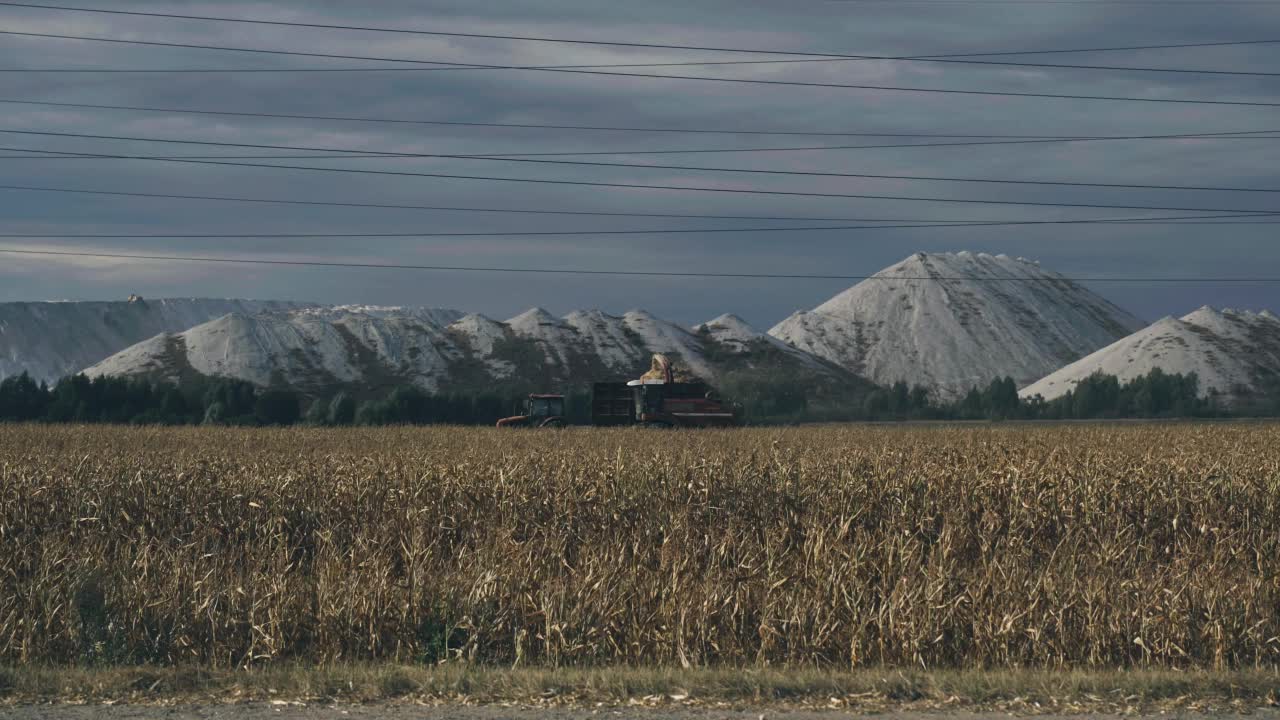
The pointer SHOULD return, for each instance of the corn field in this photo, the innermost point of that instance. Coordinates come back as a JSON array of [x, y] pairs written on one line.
[[983, 547]]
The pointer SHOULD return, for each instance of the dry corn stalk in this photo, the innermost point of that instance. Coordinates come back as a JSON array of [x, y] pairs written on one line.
[[841, 546]]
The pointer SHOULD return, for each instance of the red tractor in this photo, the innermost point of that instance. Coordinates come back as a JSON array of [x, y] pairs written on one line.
[[540, 411]]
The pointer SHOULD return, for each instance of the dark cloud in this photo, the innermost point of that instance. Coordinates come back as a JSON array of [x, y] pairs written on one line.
[[530, 97]]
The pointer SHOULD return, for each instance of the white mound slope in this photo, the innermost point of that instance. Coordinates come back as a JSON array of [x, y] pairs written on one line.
[[659, 336], [591, 339], [737, 334], [594, 339], [913, 322], [733, 330], [609, 338], [304, 348], [50, 340], [313, 349], [1229, 350]]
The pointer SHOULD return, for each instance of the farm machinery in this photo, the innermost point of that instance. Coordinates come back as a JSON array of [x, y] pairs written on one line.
[[663, 397], [540, 411]]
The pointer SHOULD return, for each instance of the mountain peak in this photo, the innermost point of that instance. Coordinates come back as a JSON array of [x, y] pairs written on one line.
[[1231, 351], [50, 340], [534, 316], [728, 327], [963, 263], [952, 321], [475, 321], [595, 316], [640, 314], [727, 320], [1206, 315], [1219, 320]]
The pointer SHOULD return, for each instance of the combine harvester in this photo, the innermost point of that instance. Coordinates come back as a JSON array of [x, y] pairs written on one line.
[[661, 398]]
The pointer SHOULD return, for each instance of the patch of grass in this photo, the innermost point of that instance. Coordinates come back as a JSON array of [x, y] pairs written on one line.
[[397, 683], [867, 690]]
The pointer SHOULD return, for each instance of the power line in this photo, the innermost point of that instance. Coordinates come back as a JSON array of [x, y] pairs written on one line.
[[662, 231], [354, 155], [71, 155], [385, 206], [466, 66], [1008, 139], [652, 46], [594, 66], [433, 208], [443, 66], [734, 151], [1099, 3], [688, 63], [304, 70], [789, 83], [915, 178], [581, 163], [339, 118], [674, 188], [632, 273]]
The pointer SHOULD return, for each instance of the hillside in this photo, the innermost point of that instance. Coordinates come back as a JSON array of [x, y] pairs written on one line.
[[1236, 355], [911, 323], [317, 349], [50, 340], [309, 349]]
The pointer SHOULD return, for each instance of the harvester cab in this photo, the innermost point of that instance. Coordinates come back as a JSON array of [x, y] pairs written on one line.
[[540, 411]]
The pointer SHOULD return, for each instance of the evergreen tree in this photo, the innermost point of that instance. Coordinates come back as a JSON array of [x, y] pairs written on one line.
[[973, 406], [899, 400], [921, 407], [342, 409], [22, 400], [174, 408], [215, 413], [237, 398], [1097, 396], [1001, 399], [876, 405], [369, 414], [317, 414], [277, 407]]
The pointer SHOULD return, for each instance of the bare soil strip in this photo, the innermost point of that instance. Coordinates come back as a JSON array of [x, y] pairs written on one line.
[[673, 690]]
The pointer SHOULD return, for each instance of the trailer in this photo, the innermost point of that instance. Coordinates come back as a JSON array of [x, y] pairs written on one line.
[[660, 399]]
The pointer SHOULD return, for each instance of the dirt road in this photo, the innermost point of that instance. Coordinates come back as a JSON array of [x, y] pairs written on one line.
[[261, 711]]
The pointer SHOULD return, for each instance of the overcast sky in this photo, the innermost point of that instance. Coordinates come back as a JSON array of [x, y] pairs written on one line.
[[900, 28]]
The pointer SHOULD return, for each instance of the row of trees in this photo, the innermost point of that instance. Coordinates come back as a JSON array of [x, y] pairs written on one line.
[[1155, 395], [234, 402], [123, 400]]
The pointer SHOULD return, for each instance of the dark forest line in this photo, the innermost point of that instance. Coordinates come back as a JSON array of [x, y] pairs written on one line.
[[220, 401]]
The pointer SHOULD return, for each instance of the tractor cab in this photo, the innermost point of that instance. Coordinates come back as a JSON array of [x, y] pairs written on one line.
[[545, 406], [539, 411]]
